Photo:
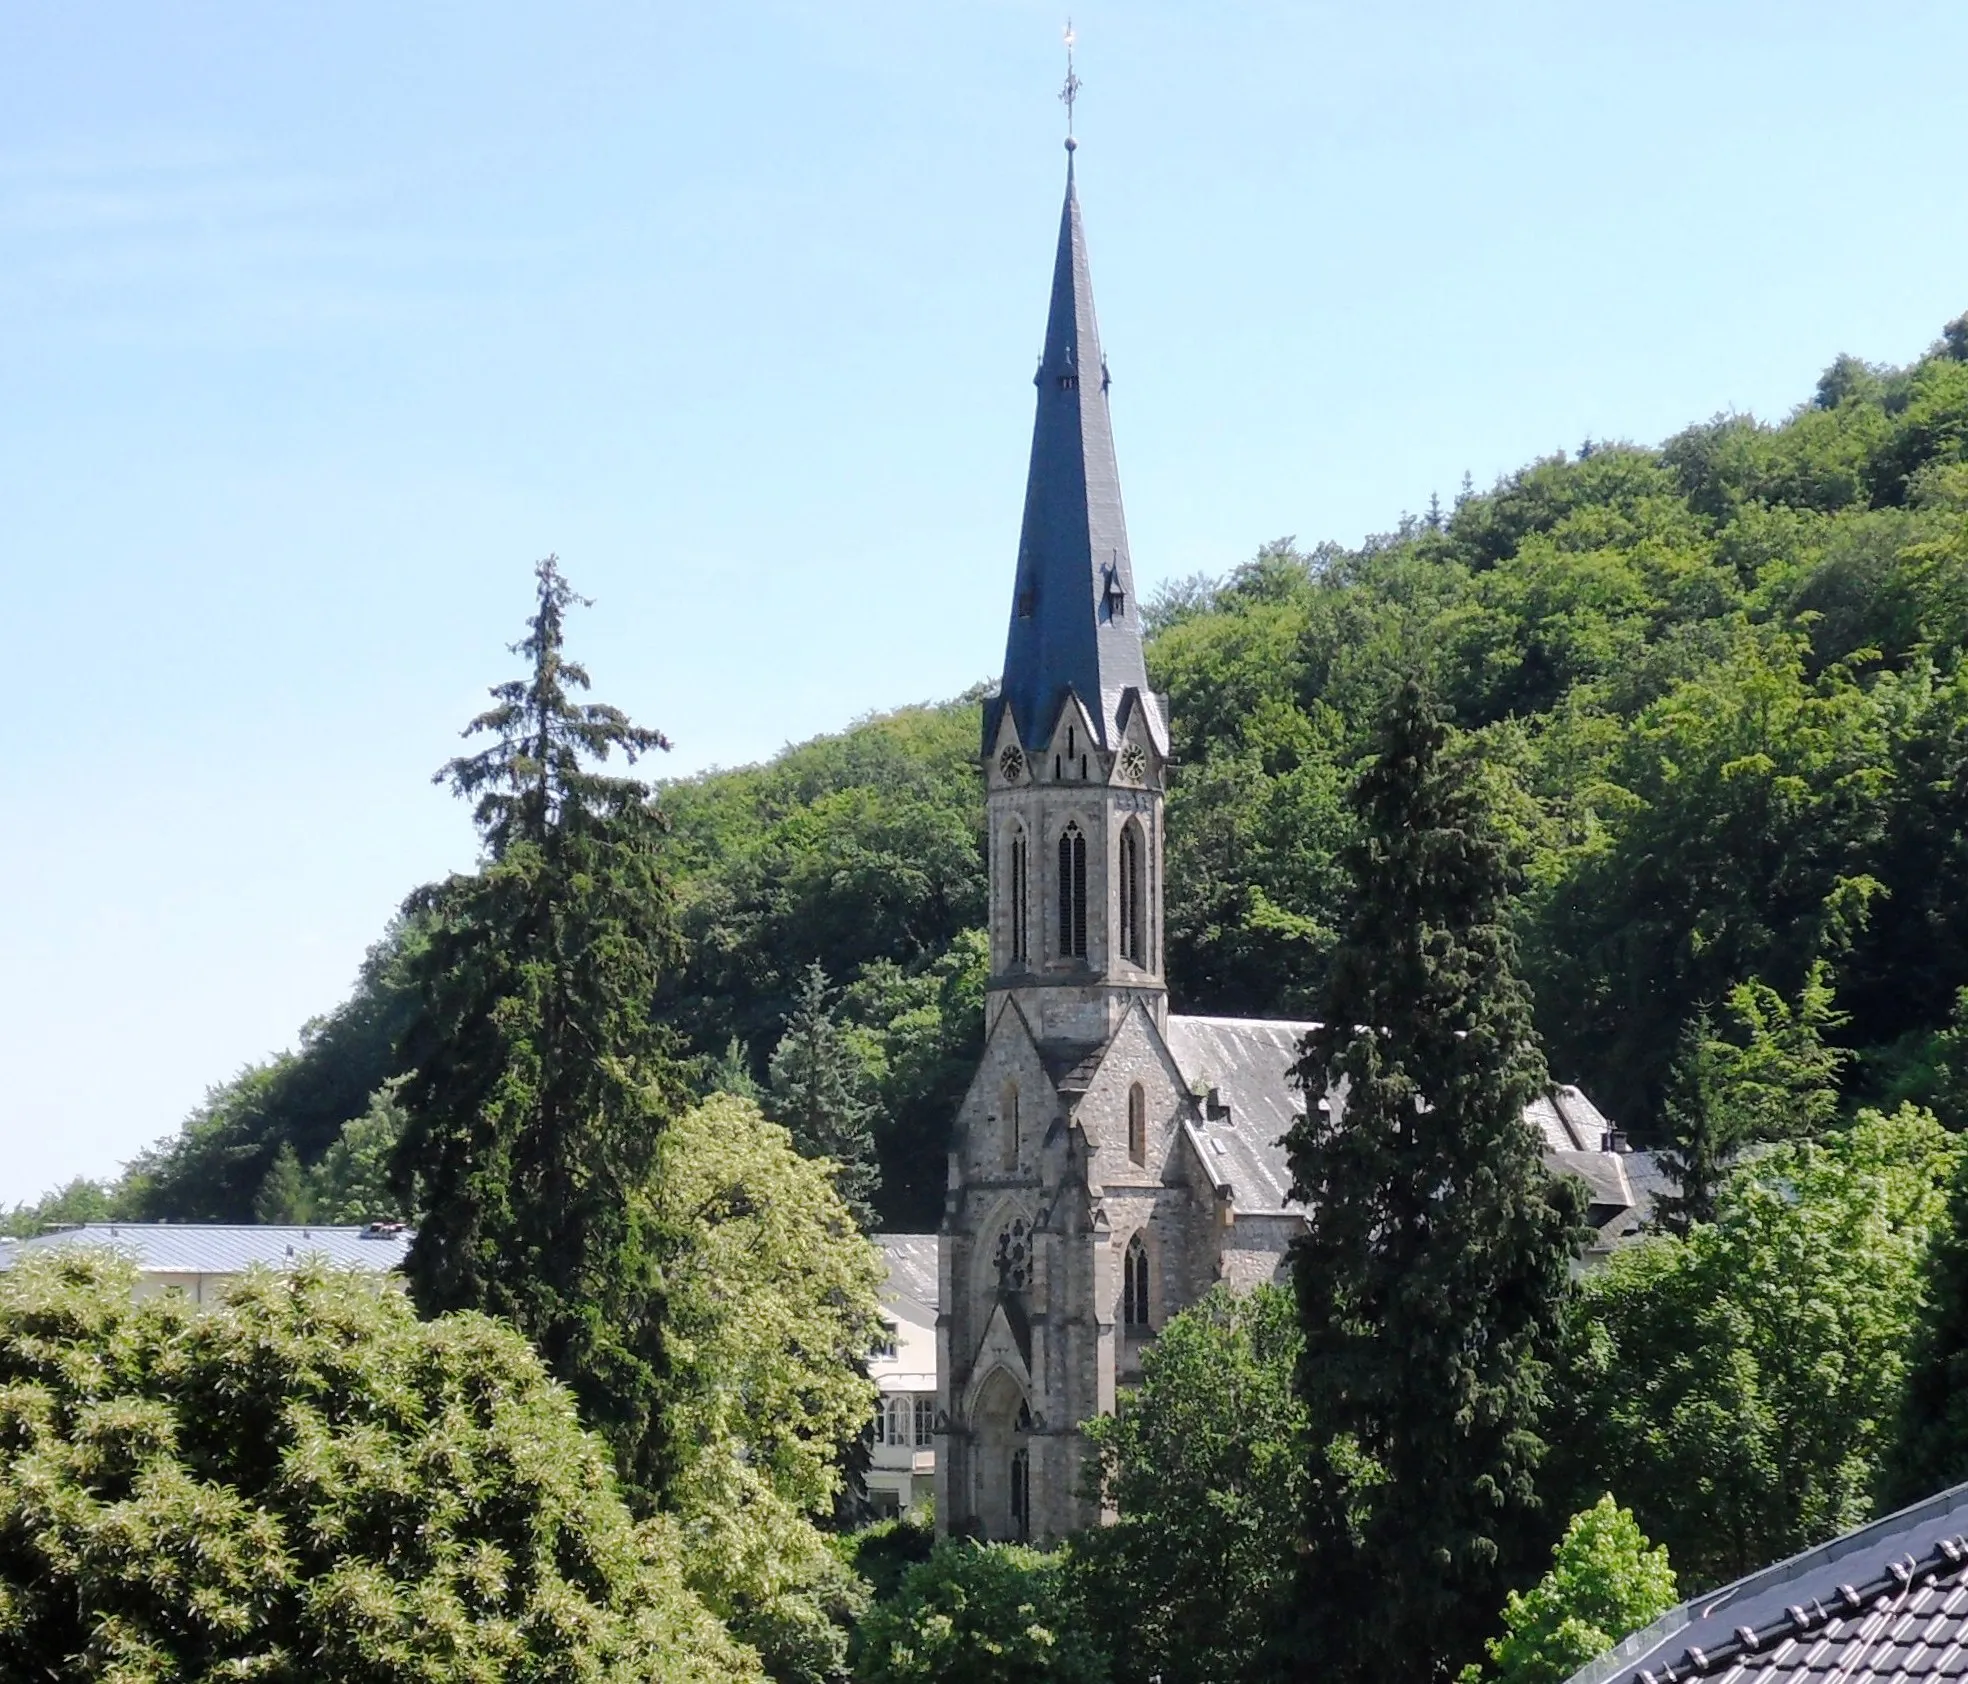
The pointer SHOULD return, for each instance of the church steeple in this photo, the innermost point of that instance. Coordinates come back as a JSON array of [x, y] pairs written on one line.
[[1075, 619]]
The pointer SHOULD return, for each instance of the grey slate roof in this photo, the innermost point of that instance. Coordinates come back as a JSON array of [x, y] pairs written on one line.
[[186, 1249], [1245, 1064], [1886, 1603], [1075, 619], [912, 1271]]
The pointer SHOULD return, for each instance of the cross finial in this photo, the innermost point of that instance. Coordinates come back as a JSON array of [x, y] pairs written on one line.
[[1071, 91]]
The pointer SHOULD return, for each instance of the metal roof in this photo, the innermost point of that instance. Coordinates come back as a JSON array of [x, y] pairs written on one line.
[[912, 1270], [1075, 618], [1245, 1063], [172, 1248], [1886, 1603]]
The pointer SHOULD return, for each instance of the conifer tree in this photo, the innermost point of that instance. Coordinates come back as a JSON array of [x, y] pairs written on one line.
[[819, 1094], [537, 1082], [1705, 1138], [1434, 1265]]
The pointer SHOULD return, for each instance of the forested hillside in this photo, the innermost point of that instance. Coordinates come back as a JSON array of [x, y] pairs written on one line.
[[1720, 680]]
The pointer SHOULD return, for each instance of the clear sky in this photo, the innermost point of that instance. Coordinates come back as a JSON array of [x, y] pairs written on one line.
[[319, 324]]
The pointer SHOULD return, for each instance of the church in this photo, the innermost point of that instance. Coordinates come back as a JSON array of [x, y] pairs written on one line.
[[1111, 1161]]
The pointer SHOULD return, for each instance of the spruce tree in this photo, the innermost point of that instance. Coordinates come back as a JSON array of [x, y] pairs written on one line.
[[536, 1081], [819, 1093], [1704, 1133], [1433, 1269]]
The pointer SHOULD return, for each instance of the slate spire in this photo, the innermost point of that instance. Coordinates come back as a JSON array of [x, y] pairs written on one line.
[[1075, 619]]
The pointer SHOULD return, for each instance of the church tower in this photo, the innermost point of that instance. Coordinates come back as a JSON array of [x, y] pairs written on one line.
[[1051, 1247], [1074, 741]]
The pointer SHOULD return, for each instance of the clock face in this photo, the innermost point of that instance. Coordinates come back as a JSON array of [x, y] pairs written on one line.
[[1011, 765], [1134, 762]]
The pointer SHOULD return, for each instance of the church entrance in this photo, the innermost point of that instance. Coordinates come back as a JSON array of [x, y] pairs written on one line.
[[1002, 1467]]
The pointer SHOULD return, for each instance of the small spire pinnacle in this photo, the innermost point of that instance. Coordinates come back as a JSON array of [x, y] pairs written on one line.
[[1071, 90]]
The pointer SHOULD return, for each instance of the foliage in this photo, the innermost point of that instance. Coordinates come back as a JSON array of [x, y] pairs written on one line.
[[308, 1482], [1737, 1387], [1777, 1080], [352, 1183], [773, 1308], [1728, 670], [1605, 1582], [1930, 1448], [1432, 1270], [978, 1614], [1205, 1462], [817, 1093], [80, 1200], [536, 1082]]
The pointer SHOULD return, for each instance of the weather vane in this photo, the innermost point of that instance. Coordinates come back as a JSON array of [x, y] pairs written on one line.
[[1071, 91]]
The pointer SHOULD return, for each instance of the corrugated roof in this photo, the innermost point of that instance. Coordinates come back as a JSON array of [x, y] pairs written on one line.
[[172, 1248], [912, 1269], [1884, 1604]]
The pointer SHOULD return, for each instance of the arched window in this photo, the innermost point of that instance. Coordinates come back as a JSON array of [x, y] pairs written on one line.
[[1137, 1125], [1134, 908], [1015, 890], [1134, 1287], [1072, 893], [1008, 1125]]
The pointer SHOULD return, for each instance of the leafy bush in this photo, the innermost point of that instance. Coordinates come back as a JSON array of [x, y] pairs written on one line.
[[978, 1614], [307, 1482]]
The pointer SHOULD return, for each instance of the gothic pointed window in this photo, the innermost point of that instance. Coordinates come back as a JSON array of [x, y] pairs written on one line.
[[1134, 911], [1137, 1125], [1134, 1287], [1015, 892], [1021, 1494], [1072, 894], [1008, 1125]]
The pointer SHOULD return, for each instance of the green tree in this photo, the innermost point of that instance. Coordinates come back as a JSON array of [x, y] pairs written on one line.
[[352, 1183], [1705, 1135], [1605, 1582], [80, 1200], [1432, 1272], [1205, 1462], [773, 1309], [283, 1194], [1737, 1388], [537, 1083], [307, 1482], [978, 1614], [1930, 1445], [819, 1093]]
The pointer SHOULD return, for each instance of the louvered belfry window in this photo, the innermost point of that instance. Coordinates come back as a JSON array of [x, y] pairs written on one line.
[[1017, 892], [1133, 947], [1072, 894]]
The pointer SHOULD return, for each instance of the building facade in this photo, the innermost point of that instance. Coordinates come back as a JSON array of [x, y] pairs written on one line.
[[1111, 1162], [901, 1475]]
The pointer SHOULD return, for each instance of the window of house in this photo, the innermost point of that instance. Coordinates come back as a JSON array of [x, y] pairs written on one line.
[[899, 1417], [1017, 894], [1072, 893], [885, 1346], [926, 1419], [1134, 912], [881, 1421], [1137, 1125], [1134, 1286]]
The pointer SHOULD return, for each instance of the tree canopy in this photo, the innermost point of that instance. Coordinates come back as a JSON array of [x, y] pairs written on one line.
[[309, 1482]]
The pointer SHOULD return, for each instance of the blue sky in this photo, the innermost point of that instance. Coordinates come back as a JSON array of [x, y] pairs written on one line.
[[318, 325]]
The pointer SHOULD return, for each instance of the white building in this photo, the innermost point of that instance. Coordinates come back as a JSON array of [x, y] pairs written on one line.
[[902, 1473], [197, 1261]]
